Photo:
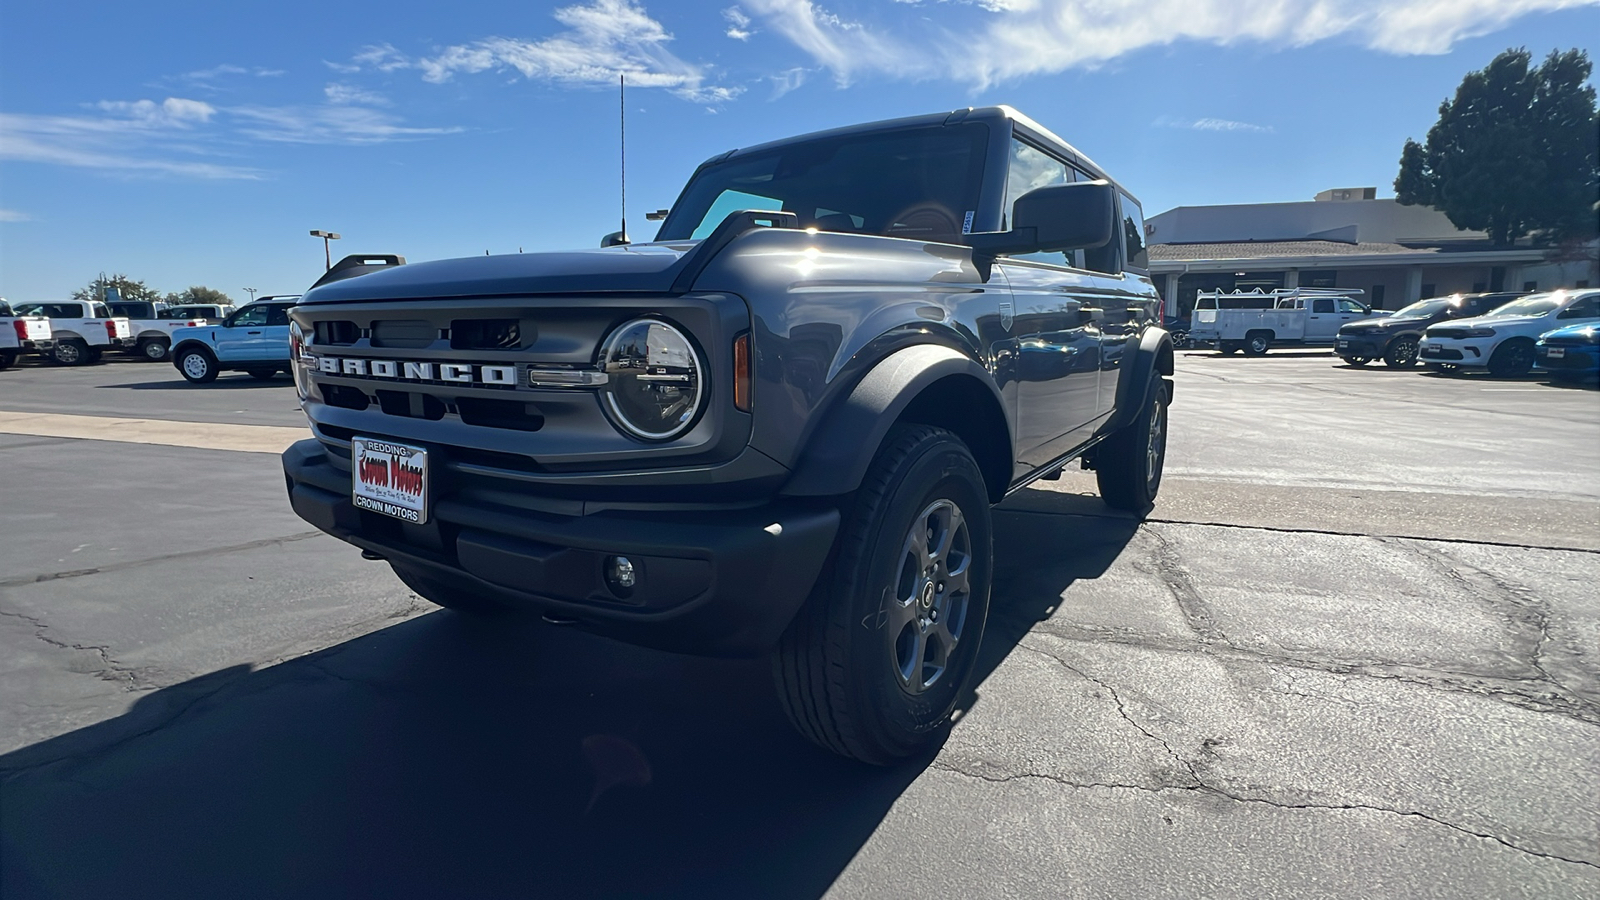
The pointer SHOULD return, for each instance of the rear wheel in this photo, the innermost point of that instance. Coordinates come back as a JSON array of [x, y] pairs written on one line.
[[1512, 359], [71, 352], [1402, 353], [197, 366], [1129, 463], [872, 665], [448, 596], [1256, 343], [7, 357]]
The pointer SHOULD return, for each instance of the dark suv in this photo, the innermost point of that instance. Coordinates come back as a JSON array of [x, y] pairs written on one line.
[[776, 429], [1395, 338]]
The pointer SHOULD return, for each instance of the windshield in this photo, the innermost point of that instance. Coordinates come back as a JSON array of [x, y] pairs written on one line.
[[1422, 309], [1536, 305], [920, 183]]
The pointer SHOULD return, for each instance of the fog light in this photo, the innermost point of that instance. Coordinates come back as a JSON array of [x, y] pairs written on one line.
[[620, 574]]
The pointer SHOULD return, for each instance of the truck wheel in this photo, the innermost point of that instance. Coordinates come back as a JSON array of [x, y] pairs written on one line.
[[154, 350], [262, 374], [873, 663], [71, 352], [441, 594], [7, 357], [1129, 463], [197, 366], [1256, 343], [1402, 353], [1512, 359]]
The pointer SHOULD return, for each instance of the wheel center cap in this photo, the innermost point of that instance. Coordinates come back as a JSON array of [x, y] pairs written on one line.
[[927, 595]]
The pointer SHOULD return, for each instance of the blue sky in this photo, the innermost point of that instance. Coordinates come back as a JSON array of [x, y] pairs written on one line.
[[197, 143]]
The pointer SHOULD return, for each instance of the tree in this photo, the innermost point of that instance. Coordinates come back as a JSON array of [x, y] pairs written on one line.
[[200, 294], [129, 289], [1513, 153]]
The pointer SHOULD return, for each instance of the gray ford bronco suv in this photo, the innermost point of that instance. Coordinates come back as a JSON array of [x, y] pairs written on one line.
[[778, 428]]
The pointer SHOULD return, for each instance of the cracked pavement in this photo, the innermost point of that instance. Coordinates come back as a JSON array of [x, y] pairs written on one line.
[[1358, 674]]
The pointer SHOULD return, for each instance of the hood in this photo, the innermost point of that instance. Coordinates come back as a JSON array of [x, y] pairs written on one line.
[[635, 268], [1497, 322], [1586, 330]]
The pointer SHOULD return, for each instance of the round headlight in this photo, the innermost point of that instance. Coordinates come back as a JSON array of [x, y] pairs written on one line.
[[654, 380]]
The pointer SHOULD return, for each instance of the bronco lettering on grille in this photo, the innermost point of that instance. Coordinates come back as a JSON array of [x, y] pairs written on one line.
[[400, 370]]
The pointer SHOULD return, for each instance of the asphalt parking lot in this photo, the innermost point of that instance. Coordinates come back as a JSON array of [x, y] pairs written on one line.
[[1354, 651]]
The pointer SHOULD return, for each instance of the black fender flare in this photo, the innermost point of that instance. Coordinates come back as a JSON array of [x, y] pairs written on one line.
[[836, 456], [1151, 359]]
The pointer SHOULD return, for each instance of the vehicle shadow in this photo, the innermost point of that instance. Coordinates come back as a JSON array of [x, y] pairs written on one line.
[[242, 382], [447, 756]]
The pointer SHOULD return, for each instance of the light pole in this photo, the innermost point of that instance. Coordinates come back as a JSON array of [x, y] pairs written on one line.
[[252, 293], [327, 254]]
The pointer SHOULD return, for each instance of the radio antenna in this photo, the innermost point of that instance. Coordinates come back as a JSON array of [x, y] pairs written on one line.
[[622, 118]]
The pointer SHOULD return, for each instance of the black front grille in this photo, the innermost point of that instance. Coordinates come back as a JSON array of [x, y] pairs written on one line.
[[488, 334], [411, 404], [337, 333], [410, 334], [345, 397], [1454, 334], [492, 413]]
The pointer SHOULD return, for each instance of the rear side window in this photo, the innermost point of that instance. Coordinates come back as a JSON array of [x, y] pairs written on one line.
[[1322, 305], [278, 315], [99, 311], [1587, 308], [1133, 234]]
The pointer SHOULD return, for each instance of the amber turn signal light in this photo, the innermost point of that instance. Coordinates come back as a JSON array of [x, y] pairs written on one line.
[[741, 372]]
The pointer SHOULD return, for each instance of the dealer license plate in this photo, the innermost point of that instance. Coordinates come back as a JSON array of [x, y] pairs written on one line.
[[1344, 345], [1555, 352], [1430, 351], [391, 479]]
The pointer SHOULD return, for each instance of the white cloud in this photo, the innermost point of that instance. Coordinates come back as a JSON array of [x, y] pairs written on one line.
[[347, 94], [603, 39], [738, 24], [787, 80], [1212, 124], [1031, 37], [126, 145], [174, 111], [329, 124], [11, 215]]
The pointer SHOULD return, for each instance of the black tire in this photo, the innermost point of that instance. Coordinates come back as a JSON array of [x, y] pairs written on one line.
[[856, 670], [1256, 343], [440, 594], [1358, 360], [197, 366], [7, 357], [1401, 352], [1512, 359], [1129, 463], [154, 350], [71, 352], [262, 374]]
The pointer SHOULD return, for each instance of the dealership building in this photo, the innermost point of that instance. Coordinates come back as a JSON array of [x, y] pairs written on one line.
[[1345, 238]]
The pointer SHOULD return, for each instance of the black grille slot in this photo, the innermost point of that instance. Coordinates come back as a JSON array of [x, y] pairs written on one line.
[[344, 333], [411, 405], [345, 397], [487, 334], [412, 334], [491, 413]]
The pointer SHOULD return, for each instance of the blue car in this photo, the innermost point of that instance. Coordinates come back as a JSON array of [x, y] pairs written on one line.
[[1570, 353], [253, 339]]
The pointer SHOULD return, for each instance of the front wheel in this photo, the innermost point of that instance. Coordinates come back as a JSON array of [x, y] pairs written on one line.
[[154, 351], [1512, 359], [872, 665], [197, 366], [1128, 465], [1402, 353]]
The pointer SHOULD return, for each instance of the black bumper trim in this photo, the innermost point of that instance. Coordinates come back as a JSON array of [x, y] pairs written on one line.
[[712, 583]]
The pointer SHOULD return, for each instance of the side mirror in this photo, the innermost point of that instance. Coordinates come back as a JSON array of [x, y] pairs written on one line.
[[1366, 310], [1055, 217]]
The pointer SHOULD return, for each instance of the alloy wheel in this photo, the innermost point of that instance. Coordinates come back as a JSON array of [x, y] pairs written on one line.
[[931, 596]]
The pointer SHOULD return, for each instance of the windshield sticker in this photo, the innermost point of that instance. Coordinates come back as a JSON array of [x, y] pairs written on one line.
[[966, 223]]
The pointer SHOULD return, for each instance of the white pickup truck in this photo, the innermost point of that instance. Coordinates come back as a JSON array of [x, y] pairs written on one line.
[[152, 327], [82, 329], [22, 334], [1254, 321]]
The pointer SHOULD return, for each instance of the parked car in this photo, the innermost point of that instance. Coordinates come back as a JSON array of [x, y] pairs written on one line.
[[776, 429], [152, 328], [1257, 320], [22, 334], [1571, 353], [82, 329], [252, 339], [1396, 339], [1503, 340], [212, 313]]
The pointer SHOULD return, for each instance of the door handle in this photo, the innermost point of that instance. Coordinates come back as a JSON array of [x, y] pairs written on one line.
[[252, 332]]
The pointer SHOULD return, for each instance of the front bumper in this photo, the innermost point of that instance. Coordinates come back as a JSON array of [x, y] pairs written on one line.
[[1571, 361], [723, 582], [1463, 352], [1364, 346]]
